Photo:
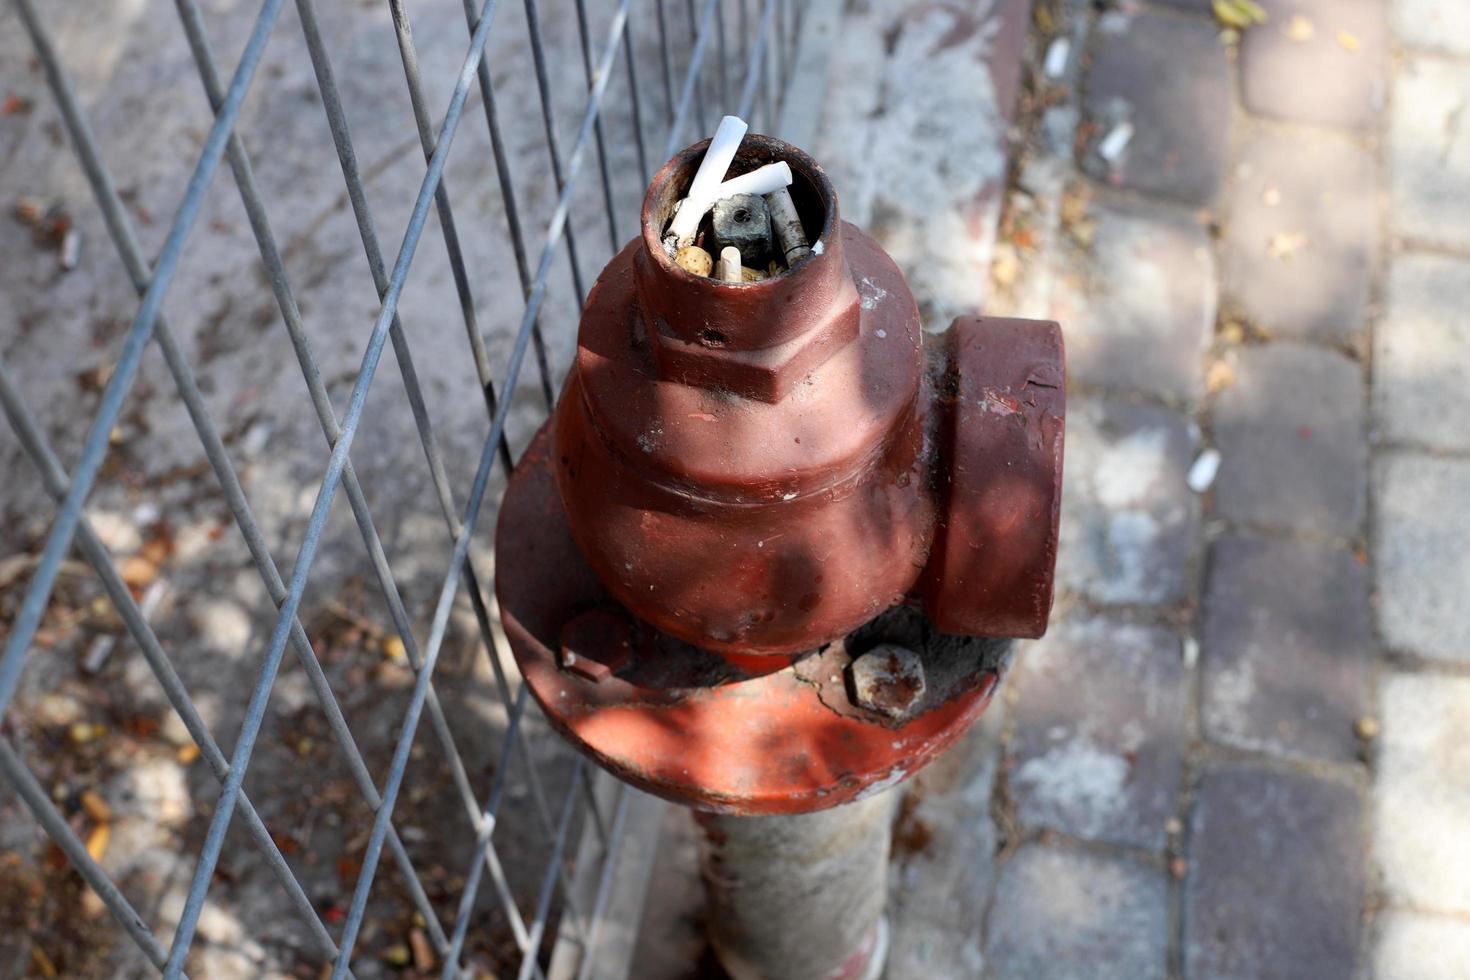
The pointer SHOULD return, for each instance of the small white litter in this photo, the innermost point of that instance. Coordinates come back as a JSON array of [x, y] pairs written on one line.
[[1204, 470], [1112, 146], [1057, 56]]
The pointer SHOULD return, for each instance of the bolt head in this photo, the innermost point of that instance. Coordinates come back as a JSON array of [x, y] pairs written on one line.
[[888, 679], [596, 644]]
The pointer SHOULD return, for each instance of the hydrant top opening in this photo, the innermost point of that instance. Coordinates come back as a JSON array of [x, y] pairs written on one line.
[[773, 232]]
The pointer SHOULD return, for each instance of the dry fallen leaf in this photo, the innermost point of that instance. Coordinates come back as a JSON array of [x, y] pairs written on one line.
[[1285, 244], [1239, 14], [1084, 233], [1076, 200], [1299, 29], [1045, 21], [43, 962], [96, 806], [82, 732], [187, 754], [1006, 267], [394, 649], [137, 572], [1219, 377]]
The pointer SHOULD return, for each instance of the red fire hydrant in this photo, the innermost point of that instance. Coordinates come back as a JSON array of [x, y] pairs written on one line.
[[762, 559]]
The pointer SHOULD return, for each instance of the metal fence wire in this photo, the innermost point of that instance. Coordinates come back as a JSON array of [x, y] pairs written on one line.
[[699, 59]]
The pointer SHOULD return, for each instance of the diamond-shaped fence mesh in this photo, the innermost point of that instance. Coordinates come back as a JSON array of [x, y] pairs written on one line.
[[288, 861]]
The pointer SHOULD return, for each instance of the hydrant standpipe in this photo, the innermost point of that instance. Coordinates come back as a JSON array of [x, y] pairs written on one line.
[[770, 549]]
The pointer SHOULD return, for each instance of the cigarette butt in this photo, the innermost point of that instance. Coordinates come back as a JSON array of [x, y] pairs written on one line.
[[717, 158], [71, 250], [790, 236], [762, 180], [730, 264], [707, 178], [423, 953], [692, 258]]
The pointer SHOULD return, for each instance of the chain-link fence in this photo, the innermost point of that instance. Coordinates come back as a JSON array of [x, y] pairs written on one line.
[[653, 75]]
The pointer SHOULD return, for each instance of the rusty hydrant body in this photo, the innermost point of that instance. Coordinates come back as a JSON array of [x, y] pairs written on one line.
[[760, 468], [747, 488]]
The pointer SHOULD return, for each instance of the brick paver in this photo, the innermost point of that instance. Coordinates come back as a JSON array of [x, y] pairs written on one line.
[[1301, 235], [1421, 354], [1128, 519], [1286, 644], [1178, 143], [1094, 759], [1429, 152], [1062, 913], [1422, 552], [1317, 803], [1423, 783], [1275, 882], [1290, 426], [1141, 307], [1317, 61]]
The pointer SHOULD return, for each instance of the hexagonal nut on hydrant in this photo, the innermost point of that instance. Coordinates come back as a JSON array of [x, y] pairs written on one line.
[[595, 644], [888, 679]]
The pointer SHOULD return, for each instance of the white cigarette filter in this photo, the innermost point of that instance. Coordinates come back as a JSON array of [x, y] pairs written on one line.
[[717, 158], [762, 180], [707, 178], [730, 264]]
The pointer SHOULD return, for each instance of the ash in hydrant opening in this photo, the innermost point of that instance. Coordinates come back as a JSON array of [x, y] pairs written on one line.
[[743, 210]]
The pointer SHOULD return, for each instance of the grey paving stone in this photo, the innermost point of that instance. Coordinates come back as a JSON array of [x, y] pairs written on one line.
[[1167, 76], [1429, 154], [1286, 643], [1301, 233], [1332, 74], [1061, 913], [1422, 783], [1421, 354], [1422, 554], [1140, 308], [1128, 519], [1440, 25], [1290, 427], [1100, 760], [1421, 947], [1274, 886], [925, 90]]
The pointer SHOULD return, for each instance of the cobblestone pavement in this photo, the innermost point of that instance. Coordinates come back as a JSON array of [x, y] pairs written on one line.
[[1243, 749]]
